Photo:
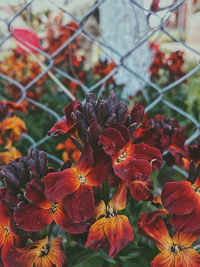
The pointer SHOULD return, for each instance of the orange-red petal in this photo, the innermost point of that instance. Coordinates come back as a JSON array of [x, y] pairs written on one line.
[[118, 202], [156, 230], [165, 258], [96, 236], [187, 258], [119, 233], [60, 184]]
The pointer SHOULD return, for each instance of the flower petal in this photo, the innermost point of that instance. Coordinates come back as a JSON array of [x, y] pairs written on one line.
[[165, 258], [156, 230], [56, 254], [62, 219], [119, 233], [186, 223], [179, 197], [60, 184], [141, 190], [35, 193], [31, 218], [133, 169], [80, 205], [187, 258], [59, 128], [100, 170], [100, 209], [185, 239], [118, 202], [96, 237]]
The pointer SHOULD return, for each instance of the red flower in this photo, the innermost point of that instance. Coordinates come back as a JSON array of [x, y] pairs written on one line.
[[130, 161], [103, 68], [113, 231], [43, 212], [182, 200], [75, 186], [164, 134], [8, 239], [175, 251], [43, 253], [67, 124]]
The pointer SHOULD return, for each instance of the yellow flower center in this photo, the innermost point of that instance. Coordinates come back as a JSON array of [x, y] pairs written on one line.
[[45, 250], [6, 229], [196, 190], [54, 207], [82, 178], [110, 212], [121, 157], [175, 248]]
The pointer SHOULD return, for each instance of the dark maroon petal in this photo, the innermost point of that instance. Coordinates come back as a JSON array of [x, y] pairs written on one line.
[[35, 192], [112, 139], [62, 219], [187, 223], [150, 217], [136, 114], [178, 197], [80, 205], [70, 112], [31, 218], [133, 170], [141, 190]]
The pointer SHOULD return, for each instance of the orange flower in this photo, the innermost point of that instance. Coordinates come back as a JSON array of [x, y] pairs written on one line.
[[175, 251], [8, 155], [113, 231], [71, 152], [43, 253], [12, 127]]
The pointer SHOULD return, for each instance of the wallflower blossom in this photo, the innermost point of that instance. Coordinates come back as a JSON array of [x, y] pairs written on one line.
[[43, 212], [175, 251], [164, 134], [70, 152], [103, 68], [8, 154], [111, 230], [129, 161], [7, 236], [182, 200], [12, 128], [43, 253], [75, 185]]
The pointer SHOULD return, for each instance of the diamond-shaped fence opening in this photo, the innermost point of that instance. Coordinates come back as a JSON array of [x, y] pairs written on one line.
[[65, 38]]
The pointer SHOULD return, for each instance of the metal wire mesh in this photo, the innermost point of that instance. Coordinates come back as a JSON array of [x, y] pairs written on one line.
[[81, 31]]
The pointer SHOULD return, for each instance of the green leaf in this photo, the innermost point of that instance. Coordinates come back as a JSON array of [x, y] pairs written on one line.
[[105, 256]]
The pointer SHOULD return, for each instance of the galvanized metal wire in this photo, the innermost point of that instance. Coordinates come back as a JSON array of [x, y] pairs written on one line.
[[161, 92]]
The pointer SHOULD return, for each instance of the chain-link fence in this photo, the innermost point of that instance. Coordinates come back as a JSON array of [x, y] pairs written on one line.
[[161, 28]]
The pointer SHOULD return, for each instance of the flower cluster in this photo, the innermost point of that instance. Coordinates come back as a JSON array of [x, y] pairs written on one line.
[[11, 129], [22, 68], [110, 158], [164, 134], [166, 64]]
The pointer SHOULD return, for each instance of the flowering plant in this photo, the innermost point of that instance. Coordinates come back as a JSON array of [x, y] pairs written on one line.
[[105, 197]]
